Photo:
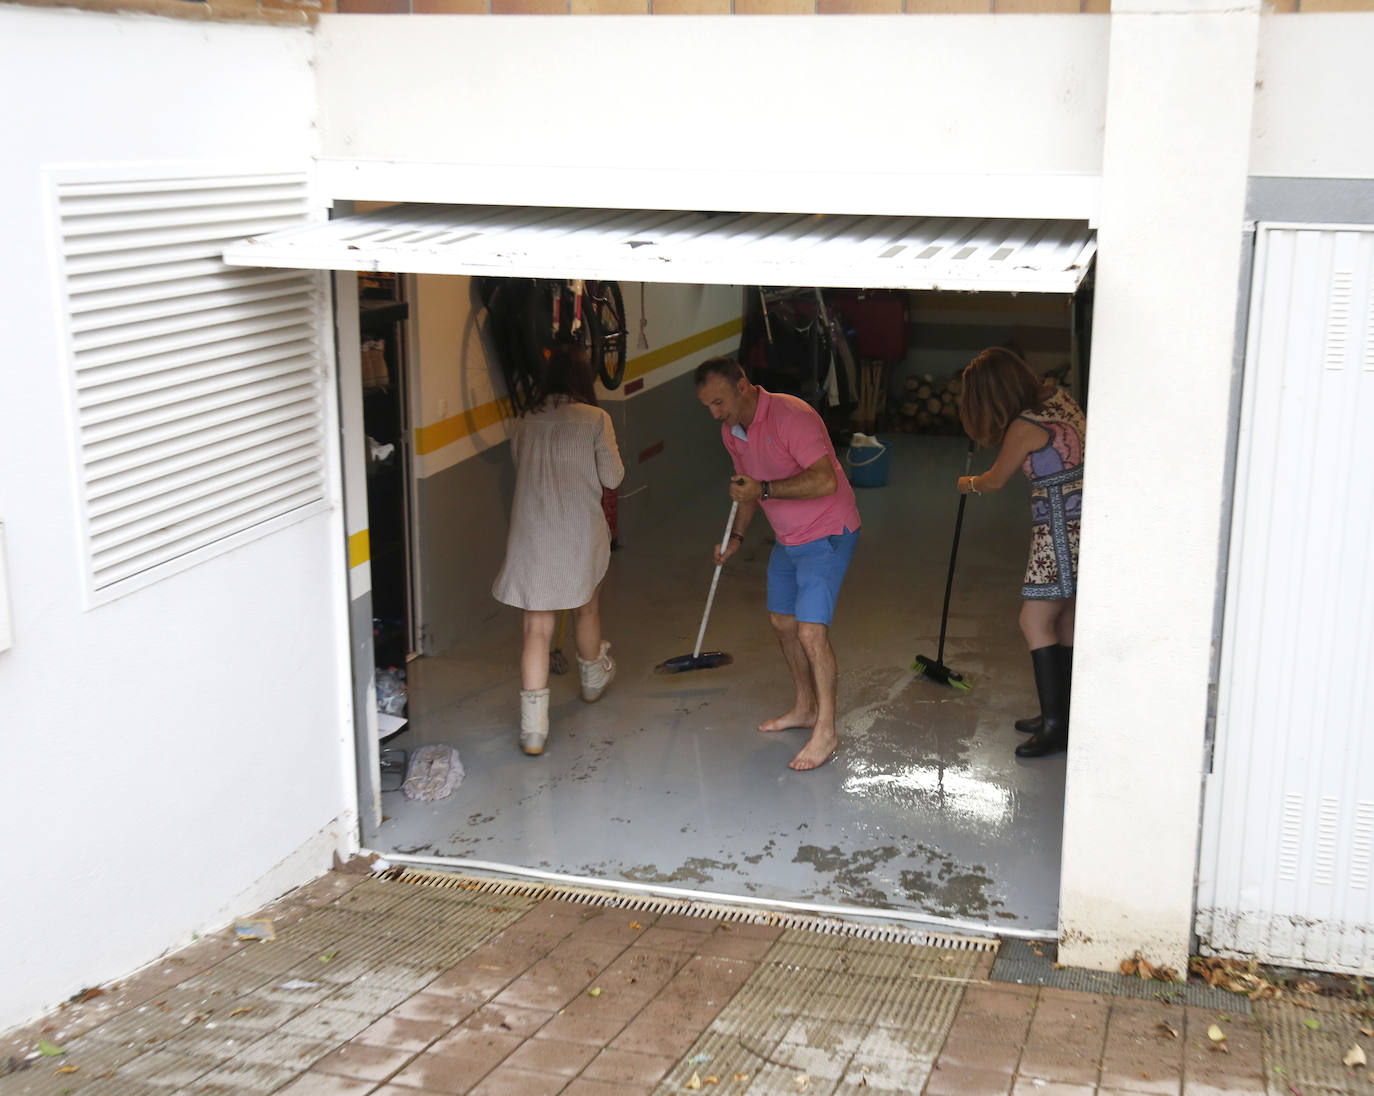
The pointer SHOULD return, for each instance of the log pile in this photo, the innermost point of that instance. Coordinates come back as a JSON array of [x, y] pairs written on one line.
[[927, 405]]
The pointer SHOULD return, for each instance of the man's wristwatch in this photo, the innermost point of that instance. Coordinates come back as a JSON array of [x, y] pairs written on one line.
[[767, 488]]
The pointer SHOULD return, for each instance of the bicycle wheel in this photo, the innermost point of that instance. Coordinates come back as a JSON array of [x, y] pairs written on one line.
[[610, 340], [508, 304]]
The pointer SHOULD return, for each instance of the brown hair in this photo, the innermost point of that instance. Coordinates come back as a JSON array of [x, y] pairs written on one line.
[[723, 366], [567, 371], [998, 386]]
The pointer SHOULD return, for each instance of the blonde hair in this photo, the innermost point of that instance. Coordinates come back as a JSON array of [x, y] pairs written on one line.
[[998, 386]]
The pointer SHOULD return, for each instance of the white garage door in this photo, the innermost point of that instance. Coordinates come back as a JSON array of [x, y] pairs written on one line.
[[1011, 256], [1284, 874]]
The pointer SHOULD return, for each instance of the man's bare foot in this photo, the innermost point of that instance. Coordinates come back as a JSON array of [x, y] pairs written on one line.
[[817, 751], [786, 722]]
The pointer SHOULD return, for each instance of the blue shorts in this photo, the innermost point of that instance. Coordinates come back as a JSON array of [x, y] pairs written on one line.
[[804, 579]]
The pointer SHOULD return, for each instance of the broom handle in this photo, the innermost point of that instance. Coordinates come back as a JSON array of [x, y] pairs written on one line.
[[724, 543], [953, 552]]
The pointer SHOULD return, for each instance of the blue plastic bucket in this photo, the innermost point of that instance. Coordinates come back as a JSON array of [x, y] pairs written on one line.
[[867, 464]]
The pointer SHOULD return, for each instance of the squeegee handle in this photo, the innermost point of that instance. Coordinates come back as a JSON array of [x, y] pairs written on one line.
[[710, 597], [953, 554]]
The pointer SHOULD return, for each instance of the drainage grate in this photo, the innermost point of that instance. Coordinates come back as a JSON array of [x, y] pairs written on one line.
[[1034, 964], [719, 911]]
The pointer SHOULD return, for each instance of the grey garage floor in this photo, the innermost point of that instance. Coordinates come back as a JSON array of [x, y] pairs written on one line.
[[665, 781]]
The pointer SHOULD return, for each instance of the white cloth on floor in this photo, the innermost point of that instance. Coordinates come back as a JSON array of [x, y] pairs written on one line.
[[433, 772]]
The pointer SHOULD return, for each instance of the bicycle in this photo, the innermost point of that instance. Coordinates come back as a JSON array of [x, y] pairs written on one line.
[[589, 313], [528, 315]]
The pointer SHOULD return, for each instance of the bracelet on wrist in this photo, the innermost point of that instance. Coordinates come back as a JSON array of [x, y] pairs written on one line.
[[972, 486]]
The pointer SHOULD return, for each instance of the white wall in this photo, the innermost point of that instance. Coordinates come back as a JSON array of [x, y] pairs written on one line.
[[866, 114], [182, 754], [1314, 96], [1169, 270]]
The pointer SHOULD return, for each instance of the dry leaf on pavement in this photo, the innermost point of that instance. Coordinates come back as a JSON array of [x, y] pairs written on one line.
[[1355, 1057], [1216, 1034], [1165, 1029]]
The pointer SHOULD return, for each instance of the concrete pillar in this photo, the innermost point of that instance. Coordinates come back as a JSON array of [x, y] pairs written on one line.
[[1180, 86]]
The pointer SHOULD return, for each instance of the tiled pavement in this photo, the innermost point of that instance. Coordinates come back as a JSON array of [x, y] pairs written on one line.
[[396, 990]]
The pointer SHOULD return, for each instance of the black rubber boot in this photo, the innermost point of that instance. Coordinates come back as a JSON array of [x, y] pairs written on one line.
[[1052, 683], [1033, 723]]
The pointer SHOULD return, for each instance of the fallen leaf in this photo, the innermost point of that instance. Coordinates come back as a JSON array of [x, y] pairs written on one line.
[[1221, 1047], [196, 1018], [329, 956], [741, 1076], [1355, 1057], [1312, 1024], [86, 994], [1367, 1032], [1165, 1029], [65, 1069], [241, 1010], [595, 991], [1308, 987], [635, 925], [694, 1083], [1216, 1034], [802, 1081], [49, 1050], [713, 1080]]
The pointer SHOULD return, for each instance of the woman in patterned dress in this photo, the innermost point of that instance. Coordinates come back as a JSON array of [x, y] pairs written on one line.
[[559, 544], [1038, 428]]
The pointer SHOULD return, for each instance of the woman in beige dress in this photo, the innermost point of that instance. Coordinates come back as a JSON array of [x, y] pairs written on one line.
[[559, 544]]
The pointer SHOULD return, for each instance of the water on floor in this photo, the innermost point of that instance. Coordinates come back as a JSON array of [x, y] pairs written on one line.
[[665, 780]]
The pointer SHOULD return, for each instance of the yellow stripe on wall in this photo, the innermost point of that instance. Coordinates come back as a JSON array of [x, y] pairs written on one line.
[[666, 355], [359, 549], [432, 438], [429, 439]]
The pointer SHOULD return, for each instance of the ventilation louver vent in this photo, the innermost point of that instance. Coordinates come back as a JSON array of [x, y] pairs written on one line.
[[197, 387]]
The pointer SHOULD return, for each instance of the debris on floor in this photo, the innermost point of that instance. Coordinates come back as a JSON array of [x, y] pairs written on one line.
[[258, 929], [433, 773]]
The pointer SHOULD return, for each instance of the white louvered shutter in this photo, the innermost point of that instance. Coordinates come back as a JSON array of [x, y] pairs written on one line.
[[197, 387]]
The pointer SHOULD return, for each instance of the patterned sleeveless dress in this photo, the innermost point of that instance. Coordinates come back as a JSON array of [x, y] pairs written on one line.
[[1056, 478]]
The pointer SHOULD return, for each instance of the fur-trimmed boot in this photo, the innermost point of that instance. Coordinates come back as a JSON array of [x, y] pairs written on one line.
[[596, 673], [534, 720], [1033, 723], [1052, 683]]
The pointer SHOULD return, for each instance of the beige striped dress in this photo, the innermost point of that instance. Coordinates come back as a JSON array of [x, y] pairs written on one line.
[[559, 545]]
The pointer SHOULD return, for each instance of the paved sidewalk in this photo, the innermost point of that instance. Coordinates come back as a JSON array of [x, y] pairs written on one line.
[[403, 990]]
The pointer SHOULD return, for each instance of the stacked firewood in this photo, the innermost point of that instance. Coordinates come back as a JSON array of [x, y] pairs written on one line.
[[927, 405]]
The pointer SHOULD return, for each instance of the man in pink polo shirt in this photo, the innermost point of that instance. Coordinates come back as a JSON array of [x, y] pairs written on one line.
[[785, 463]]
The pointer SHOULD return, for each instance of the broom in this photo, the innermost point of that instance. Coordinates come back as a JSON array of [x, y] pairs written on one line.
[[935, 669], [698, 660]]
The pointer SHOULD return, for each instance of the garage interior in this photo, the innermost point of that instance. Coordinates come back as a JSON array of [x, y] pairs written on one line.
[[924, 813]]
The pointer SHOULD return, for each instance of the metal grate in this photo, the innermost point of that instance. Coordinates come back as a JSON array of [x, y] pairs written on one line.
[[719, 911], [196, 388]]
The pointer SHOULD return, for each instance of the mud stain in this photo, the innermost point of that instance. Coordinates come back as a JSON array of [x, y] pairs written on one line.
[[766, 851], [851, 872], [947, 887], [695, 870]]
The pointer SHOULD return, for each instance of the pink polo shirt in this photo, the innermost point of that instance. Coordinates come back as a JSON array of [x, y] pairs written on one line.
[[786, 438]]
